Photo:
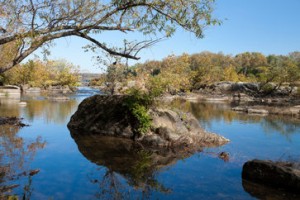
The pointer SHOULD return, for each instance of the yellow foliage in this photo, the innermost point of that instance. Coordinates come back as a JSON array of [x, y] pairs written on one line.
[[230, 74], [42, 74]]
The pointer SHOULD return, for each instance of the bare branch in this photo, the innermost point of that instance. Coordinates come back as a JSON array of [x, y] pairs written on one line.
[[105, 48]]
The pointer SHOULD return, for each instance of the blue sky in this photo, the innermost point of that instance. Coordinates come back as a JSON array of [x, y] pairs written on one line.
[[266, 26]]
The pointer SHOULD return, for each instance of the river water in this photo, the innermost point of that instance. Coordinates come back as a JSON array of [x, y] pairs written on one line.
[[97, 168]]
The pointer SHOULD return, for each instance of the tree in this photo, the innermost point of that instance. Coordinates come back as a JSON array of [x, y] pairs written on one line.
[[114, 77], [176, 73], [36, 73], [295, 56], [210, 67], [280, 70], [248, 62], [31, 24]]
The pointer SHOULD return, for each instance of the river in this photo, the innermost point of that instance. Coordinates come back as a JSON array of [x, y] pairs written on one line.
[[43, 161]]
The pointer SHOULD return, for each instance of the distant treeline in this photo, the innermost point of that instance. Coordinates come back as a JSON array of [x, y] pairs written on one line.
[[37, 73], [190, 72]]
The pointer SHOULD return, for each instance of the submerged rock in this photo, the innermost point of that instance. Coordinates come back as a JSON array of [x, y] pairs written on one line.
[[224, 156], [14, 121], [110, 116], [274, 174], [58, 98]]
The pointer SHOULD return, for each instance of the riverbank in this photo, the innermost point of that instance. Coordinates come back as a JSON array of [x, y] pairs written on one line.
[[277, 105]]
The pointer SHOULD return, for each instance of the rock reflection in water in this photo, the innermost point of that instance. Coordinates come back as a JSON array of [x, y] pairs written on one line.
[[122, 157], [9, 107], [263, 192]]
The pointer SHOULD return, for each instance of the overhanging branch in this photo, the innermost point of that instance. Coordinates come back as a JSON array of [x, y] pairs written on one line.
[[105, 48]]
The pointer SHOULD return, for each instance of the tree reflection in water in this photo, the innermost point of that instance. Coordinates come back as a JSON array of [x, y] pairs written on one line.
[[52, 111], [15, 157], [207, 112], [126, 164]]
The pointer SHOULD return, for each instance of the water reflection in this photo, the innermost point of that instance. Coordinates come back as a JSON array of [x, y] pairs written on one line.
[[9, 107], [263, 192], [16, 154], [107, 168], [123, 158], [206, 113], [52, 111]]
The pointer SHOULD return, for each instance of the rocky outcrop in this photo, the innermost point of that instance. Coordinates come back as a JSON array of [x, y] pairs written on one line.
[[230, 87], [274, 174], [60, 89], [246, 91], [110, 116], [264, 110]]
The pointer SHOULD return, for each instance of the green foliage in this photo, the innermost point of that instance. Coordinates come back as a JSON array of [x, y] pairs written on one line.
[[267, 88], [156, 85], [85, 19], [144, 120], [138, 96], [138, 103]]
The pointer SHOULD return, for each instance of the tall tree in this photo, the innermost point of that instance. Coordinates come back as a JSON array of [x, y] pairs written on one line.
[[31, 24]]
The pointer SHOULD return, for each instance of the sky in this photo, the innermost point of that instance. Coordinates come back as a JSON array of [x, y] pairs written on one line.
[[266, 26]]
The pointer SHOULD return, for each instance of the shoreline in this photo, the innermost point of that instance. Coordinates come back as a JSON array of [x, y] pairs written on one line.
[[288, 106]]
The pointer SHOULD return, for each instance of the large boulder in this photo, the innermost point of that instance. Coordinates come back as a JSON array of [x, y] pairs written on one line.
[[227, 86], [274, 174], [110, 116]]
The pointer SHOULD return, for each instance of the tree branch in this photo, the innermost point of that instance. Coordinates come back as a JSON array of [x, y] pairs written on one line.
[[105, 48]]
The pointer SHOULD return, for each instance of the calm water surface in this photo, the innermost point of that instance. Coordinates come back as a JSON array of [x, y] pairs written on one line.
[[101, 168]]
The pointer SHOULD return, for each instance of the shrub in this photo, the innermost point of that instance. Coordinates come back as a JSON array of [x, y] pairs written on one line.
[[267, 88], [156, 86], [138, 102], [141, 114]]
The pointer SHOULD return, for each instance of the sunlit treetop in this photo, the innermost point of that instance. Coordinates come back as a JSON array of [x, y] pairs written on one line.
[[31, 24]]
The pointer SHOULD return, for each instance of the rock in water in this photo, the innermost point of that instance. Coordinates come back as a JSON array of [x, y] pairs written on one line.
[[110, 116], [274, 174]]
